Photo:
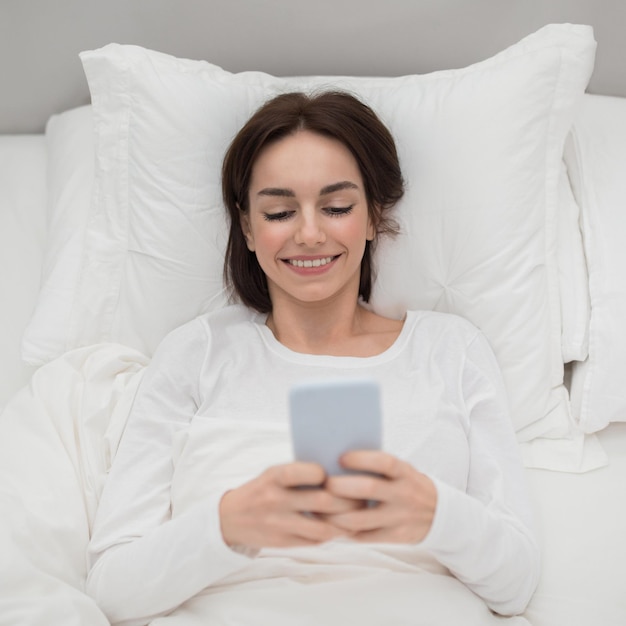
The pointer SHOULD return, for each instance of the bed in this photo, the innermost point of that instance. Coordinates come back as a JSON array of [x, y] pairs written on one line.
[[111, 234]]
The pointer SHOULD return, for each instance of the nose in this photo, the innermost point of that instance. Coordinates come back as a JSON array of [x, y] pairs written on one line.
[[309, 229]]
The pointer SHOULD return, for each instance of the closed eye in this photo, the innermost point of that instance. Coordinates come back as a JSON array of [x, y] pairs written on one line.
[[338, 211], [281, 216]]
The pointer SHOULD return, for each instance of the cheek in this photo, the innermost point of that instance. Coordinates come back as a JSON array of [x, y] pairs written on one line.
[[357, 233], [268, 241]]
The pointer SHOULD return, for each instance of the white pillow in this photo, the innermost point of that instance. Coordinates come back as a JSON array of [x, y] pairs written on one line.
[[596, 159], [70, 157], [573, 276], [481, 151]]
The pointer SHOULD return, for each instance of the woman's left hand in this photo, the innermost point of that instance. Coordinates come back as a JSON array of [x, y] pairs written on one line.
[[406, 499]]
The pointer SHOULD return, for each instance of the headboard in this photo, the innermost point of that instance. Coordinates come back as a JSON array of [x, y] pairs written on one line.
[[40, 40]]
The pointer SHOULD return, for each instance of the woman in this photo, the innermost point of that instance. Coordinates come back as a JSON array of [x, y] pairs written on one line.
[[203, 510]]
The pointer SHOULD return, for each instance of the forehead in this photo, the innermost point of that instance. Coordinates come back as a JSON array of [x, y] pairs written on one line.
[[305, 157]]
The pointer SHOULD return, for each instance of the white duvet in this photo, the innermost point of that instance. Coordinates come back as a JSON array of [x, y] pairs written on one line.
[[57, 439]]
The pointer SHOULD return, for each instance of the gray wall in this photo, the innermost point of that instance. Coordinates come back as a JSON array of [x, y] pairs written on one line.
[[40, 72]]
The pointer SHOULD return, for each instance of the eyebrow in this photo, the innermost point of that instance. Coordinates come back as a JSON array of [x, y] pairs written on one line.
[[277, 192], [344, 184], [281, 192]]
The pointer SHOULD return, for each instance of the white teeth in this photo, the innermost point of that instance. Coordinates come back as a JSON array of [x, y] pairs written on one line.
[[309, 263]]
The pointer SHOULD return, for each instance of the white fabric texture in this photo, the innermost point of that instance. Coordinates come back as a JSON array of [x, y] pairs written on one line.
[[22, 232], [581, 528], [596, 160], [57, 438], [573, 276], [42, 569], [70, 177], [70, 157], [483, 247], [212, 414]]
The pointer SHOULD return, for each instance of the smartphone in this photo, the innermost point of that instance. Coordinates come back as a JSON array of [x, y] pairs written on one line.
[[330, 417]]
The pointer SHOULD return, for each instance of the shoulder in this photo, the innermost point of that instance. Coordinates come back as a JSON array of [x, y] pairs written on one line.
[[453, 334], [230, 326], [438, 325], [190, 342], [446, 337], [204, 326], [228, 317], [449, 339]]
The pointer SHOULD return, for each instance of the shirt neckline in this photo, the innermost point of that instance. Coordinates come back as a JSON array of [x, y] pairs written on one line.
[[286, 353]]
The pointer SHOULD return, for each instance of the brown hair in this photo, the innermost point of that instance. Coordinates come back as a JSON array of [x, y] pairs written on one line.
[[337, 115]]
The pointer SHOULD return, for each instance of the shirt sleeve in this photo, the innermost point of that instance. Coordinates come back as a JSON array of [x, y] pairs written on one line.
[[485, 535], [144, 563]]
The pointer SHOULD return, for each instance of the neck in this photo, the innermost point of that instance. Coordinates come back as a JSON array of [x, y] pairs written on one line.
[[317, 328]]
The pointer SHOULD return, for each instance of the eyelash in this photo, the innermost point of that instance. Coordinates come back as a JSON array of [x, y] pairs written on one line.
[[285, 215], [277, 217], [338, 211]]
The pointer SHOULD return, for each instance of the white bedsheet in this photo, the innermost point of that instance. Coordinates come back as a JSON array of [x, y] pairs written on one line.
[[57, 438], [582, 529]]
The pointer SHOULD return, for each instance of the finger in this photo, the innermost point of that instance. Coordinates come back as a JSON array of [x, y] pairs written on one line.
[[373, 461], [313, 530], [323, 502], [298, 474], [376, 535], [366, 520], [360, 487]]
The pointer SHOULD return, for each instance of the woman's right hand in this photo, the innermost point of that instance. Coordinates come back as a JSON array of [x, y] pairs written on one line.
[[274, 510]]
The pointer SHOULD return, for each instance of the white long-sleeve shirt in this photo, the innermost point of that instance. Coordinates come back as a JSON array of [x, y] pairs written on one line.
[[444, 410]]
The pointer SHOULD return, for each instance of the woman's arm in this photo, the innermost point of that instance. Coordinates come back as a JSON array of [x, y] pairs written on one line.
[[143, 562], [484, 534], [146, 563], [497, 554]]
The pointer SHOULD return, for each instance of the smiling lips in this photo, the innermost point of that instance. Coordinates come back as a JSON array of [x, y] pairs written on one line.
[[311, 263]]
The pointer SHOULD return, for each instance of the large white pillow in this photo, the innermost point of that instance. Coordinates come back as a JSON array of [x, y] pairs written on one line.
[[70, 156], [596, 160], [480, 148], [70, 176]]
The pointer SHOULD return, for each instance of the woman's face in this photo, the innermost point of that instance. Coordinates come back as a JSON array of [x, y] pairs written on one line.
[[308, 218]]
